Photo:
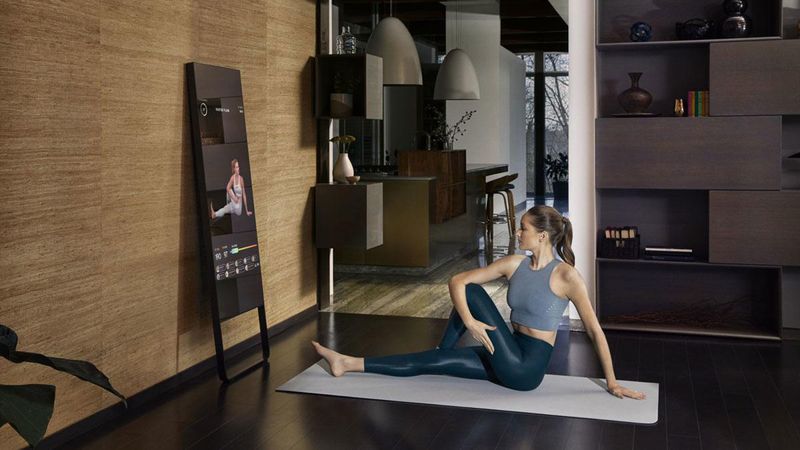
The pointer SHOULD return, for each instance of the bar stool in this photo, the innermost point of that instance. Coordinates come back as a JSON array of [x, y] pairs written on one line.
[[503, 187]]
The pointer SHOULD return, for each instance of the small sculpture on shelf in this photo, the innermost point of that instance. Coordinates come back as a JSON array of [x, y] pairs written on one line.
[[679, 109], [694, 29], [343, 168], [641, 32], [737, 25]]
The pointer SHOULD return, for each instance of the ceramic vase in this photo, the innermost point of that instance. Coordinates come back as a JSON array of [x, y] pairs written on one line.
[[635, 100], [343, 168], [737, 25]]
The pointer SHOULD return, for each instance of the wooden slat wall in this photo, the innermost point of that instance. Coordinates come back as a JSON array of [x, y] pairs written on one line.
[[99, 241]]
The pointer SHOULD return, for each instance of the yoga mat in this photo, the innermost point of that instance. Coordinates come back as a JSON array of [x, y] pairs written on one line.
[[558, 395]]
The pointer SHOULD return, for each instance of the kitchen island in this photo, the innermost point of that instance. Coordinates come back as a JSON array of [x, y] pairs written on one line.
[[412, 243]]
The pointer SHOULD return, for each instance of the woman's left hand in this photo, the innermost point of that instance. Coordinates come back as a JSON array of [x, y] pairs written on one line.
[[622, 392]]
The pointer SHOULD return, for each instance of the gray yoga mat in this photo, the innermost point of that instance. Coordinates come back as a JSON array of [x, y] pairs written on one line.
[[558, 395]]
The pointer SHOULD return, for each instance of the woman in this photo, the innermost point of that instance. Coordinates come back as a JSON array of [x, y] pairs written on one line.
[[235, 193], [539, 290]]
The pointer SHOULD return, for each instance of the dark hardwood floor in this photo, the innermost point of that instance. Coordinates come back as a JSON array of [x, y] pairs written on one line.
[[715, 394]]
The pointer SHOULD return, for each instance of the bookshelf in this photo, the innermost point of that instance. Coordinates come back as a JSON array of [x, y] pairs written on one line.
[[723, 185]]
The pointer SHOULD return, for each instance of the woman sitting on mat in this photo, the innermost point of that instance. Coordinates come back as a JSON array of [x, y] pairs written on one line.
[[539, 290]]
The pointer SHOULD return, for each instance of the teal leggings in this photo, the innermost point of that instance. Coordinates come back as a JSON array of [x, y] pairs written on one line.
[[518, 362]]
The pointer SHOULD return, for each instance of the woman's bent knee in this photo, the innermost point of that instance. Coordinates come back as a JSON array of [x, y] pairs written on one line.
[[475, 292]]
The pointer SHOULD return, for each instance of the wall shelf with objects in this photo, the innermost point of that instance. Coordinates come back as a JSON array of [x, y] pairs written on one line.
[[614, 19], [651, 45], [360, 76], [722, 187]]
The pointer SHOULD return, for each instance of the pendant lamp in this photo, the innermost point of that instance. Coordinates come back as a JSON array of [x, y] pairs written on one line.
[[391, 41], [457, 79]]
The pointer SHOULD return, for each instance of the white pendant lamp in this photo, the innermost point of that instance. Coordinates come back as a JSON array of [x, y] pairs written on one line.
[[457, 79], [391, 41]]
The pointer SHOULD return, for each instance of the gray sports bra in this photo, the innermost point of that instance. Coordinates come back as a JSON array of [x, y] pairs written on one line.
[[533, 304]]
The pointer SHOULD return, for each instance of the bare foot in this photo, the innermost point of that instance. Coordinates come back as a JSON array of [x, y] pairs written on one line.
[[211, 210], [340, 364]]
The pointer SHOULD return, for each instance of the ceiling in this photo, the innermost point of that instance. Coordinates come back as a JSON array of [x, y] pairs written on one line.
[[525, 25]]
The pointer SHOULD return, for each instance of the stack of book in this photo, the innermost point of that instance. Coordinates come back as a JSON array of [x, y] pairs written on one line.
[[619, 243], [698, 104]]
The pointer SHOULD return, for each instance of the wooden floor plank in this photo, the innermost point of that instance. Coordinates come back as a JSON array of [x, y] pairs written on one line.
[[651, 369], [715, 427], [625, 359], [778, 425], [748, 431], [680, 408], [782, 362]]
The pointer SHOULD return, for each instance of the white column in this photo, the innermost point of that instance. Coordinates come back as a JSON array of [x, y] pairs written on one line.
[[582, 111]]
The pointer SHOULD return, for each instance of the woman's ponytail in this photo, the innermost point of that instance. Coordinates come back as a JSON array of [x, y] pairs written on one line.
[[564, 243]]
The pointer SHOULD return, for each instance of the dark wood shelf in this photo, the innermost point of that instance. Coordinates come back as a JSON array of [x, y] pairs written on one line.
[[651, 45], [681, 153], [680, 263], [746, 333]]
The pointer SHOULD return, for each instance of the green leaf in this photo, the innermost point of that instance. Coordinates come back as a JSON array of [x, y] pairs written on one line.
[[28, 408], [82, 369], [8, 341]]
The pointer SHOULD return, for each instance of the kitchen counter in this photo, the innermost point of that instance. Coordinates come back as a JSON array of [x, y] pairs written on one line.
[[486, 169], [412, 243], [379, 177]]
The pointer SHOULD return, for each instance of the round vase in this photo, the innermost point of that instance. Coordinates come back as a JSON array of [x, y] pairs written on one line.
[[635, 99], [737, 25], [341, 105], [343, 168]]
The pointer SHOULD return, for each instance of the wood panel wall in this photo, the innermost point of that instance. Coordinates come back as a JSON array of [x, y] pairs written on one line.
[[98, 247]]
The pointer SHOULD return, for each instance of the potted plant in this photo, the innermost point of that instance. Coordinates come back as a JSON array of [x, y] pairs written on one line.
[[344, 87], [29, 407], [557, 170], [444, 133], [343, 167]]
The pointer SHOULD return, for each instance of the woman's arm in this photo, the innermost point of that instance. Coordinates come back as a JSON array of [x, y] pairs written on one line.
[[502, 267], [244, 196], [578, 294], [229, 189]]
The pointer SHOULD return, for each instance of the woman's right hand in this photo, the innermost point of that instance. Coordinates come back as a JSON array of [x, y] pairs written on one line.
[[478, 331]]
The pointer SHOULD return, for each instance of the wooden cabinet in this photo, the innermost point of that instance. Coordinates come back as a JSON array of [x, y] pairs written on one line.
[[364, 74], [348, 216], [450, 170], [689, 153], [755, 78], [754, 227]]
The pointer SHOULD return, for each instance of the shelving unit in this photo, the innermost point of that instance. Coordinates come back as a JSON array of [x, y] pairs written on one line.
[[720, 185], [365, 71]]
